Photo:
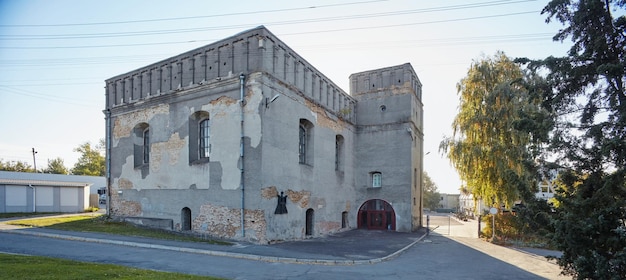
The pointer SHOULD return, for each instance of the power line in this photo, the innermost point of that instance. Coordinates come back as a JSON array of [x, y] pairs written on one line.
[[52, 98], [239, 26], [50, 84], [78, 60], [409, 24], [453, 41], [284, 34], [108, 46], [194, 17]]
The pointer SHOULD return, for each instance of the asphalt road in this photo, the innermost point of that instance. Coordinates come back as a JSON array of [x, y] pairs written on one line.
[[435, 257]]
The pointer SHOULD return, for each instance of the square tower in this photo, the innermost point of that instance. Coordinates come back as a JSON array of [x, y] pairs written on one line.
[[389, 145]]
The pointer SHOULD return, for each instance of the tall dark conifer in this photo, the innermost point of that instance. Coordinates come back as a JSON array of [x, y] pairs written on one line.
[[589, 96]]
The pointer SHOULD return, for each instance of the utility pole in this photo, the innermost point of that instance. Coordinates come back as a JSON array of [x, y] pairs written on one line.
[[34, 161]]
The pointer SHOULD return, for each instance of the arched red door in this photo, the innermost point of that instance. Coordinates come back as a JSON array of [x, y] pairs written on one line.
[[377, 214]]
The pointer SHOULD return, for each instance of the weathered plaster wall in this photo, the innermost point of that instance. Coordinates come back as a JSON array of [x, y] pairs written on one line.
[[169, 140], [165, 95], [318, 186], [172, 182]]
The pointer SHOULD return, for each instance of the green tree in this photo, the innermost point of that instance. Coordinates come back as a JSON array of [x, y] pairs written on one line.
[[588, 93], [17, 166], [495, 130], [91, 161], [431, 193], [56, 166]]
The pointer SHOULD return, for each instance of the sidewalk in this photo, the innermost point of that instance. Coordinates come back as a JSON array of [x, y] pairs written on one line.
[[537, 263]]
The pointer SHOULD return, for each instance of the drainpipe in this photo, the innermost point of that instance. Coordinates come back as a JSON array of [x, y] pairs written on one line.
[[34, 198], [242, 79], [108, 160]]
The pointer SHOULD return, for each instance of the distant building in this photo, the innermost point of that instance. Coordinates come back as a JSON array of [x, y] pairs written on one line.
[[40, 192], [449, 201], [545, 190], [547, 185], [469, 206], [244, 139]]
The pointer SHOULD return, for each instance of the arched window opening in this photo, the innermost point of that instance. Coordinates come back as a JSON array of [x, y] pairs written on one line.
[[344, 219], [203, 142], [185, 219], [146, 146], [305, 142], [339, 157], [309, 222], [141, 145], [302, 145], [199, 136]]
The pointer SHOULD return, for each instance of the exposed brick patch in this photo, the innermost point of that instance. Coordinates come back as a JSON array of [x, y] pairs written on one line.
[[225, 100], [125, 123], [171, 148], [322, 117], [269, 192], [223, 222], [125, 208], [300, 198], [124, 184]]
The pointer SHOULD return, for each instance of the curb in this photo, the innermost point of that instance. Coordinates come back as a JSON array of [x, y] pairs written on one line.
[[221, 253]]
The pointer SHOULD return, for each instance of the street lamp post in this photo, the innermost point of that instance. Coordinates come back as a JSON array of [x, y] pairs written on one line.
[[34, 161]]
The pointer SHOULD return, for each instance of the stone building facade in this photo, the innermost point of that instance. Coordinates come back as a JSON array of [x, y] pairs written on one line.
[[244, 139]]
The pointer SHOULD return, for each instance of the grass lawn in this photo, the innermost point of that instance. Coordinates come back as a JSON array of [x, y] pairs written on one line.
[[32, 267], [99, 223]]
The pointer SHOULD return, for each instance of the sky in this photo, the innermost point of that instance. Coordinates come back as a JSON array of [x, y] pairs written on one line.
[[55, 55]]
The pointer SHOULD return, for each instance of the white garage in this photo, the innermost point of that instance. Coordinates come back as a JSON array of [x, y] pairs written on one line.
[[35, 192]]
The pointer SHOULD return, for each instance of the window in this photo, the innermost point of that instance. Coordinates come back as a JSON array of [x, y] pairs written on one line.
[[199, 135], [141, 144], [377, 179], [339, 153], [146, 146], [204, 146], [302, 145], [305, 142]]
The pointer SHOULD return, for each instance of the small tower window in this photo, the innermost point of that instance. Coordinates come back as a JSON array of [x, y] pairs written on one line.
[[377, 179]]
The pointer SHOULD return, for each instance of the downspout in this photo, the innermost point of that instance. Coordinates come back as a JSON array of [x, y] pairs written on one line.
[[242, 79], [34, 198], [108, 160]]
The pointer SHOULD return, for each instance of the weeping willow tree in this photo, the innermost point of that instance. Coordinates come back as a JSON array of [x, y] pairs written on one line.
[[493, 132]]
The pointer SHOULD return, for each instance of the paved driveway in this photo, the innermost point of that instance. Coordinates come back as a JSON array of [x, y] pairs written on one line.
[[434, 257], [445, 254]]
